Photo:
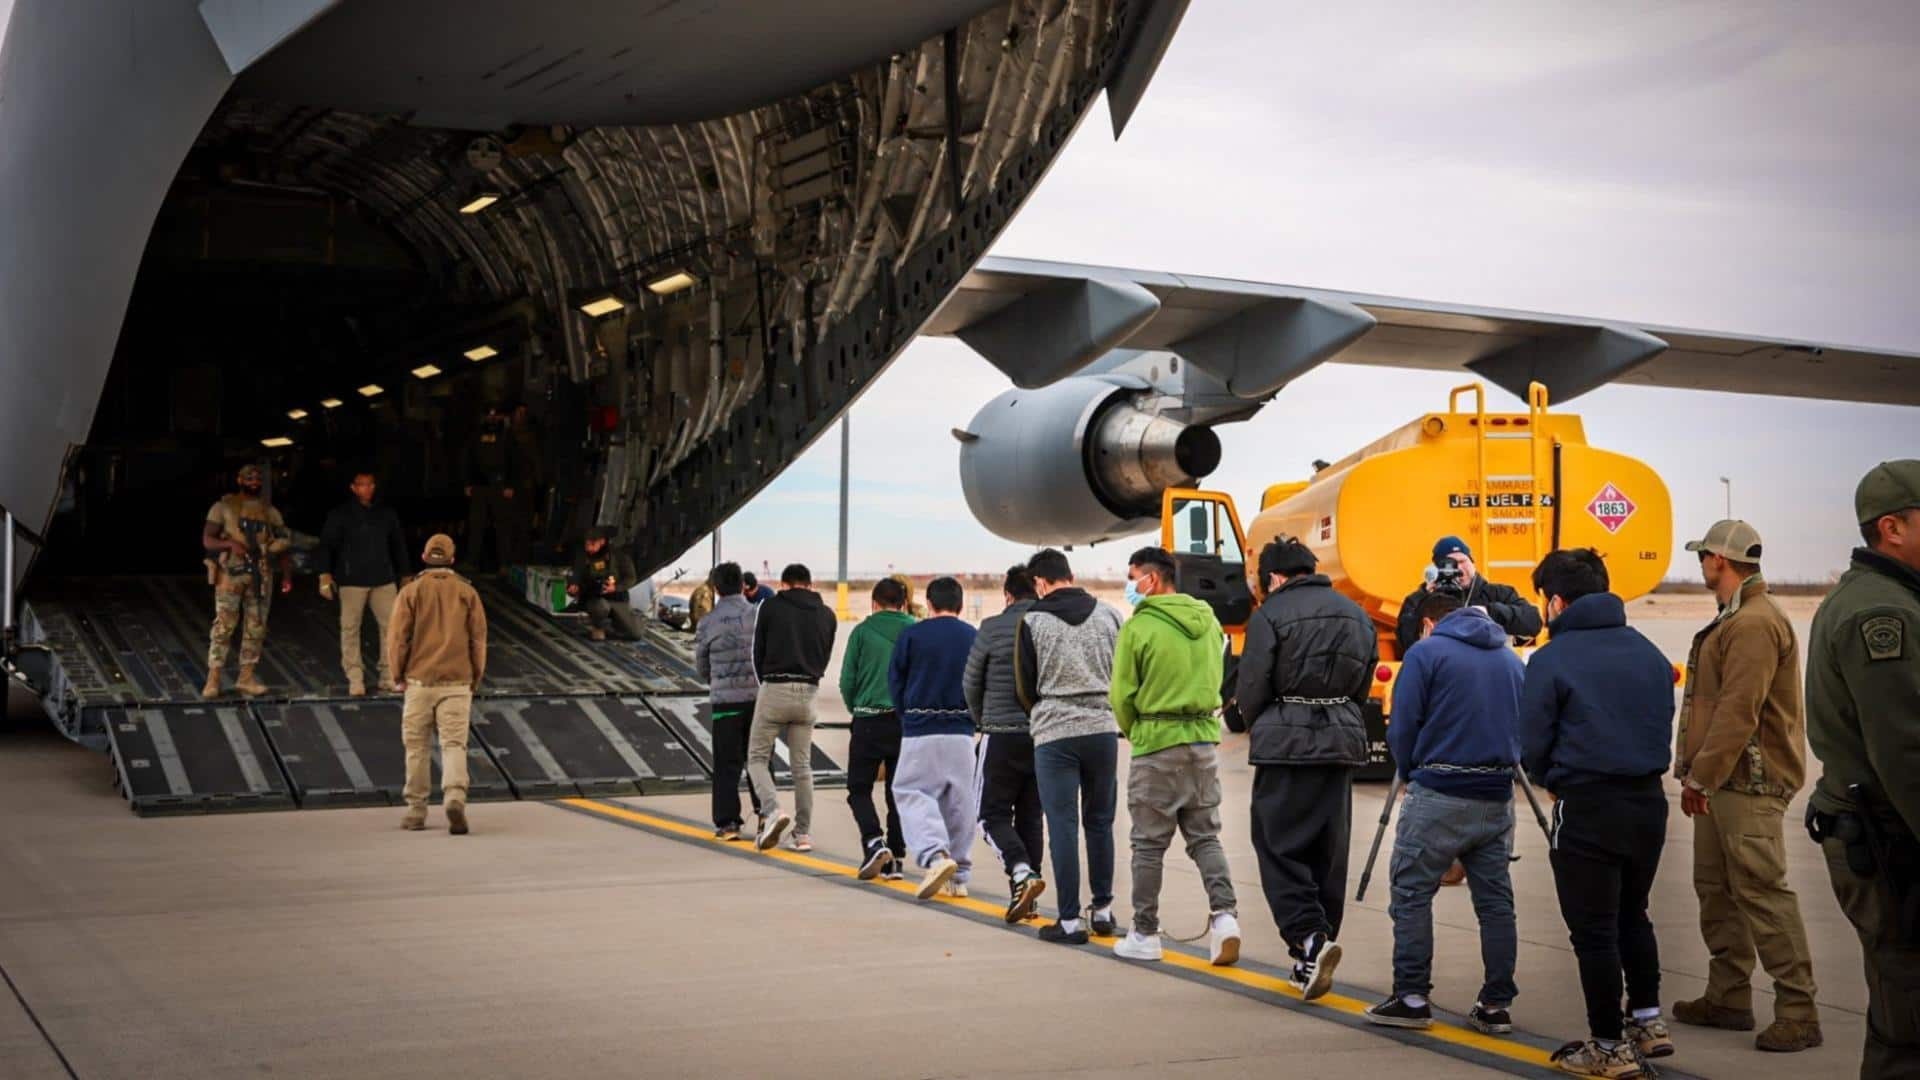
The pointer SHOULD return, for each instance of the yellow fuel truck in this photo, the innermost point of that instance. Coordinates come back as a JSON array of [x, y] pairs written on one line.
[[1514, 486]]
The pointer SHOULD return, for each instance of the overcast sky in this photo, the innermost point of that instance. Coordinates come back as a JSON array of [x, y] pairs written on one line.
[[1749, 168]]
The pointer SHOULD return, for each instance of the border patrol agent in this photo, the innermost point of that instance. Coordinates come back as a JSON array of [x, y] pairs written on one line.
[[243, 534], [1863, 720]]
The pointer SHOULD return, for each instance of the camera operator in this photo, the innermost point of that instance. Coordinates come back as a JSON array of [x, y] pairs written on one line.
[[1453, 571]]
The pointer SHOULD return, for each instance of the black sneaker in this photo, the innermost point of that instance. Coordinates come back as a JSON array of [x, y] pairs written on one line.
[[1492, 1020], [1104, 924], [878, 859], [1395, 1012], [1313, 977], [1024, 891], [1052, 932]]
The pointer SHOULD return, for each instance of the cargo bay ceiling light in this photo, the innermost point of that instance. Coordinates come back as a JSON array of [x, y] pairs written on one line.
[[605, 303], [276, 442], [371, 390], [296, 414], [480, 201], [425, 371], [671, 283], [482, 352], [331, 403]]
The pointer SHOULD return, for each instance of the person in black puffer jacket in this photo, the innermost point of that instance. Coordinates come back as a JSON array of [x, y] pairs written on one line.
[[1304, 676], [1010, 811]]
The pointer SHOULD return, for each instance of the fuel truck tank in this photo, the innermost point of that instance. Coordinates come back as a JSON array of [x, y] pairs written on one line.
[[1514, 486]]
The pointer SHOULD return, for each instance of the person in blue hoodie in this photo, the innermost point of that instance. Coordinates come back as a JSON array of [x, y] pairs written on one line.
[[1456, 736], [934, 787], [1596, 730]]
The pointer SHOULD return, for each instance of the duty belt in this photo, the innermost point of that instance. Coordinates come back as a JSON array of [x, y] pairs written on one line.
[[1317, 700]]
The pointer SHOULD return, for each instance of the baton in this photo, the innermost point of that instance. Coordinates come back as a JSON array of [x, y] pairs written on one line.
[[1533, 800], [1386, 812]]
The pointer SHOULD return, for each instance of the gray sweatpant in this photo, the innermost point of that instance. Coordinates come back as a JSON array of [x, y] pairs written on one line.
[[783, 708], [934, 792], [1176, 788]]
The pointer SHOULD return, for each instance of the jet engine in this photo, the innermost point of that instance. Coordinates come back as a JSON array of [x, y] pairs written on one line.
[[1080, 461]]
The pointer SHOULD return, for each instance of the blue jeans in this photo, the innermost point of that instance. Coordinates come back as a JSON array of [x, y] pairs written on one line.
[[1077, 780], [1434, 831]]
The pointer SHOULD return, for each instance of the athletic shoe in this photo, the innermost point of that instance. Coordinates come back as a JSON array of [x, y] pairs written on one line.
[[1052, 932], [1024, 890], [728, 834], [955, 889], [1589, 1058], [771, 830], [1103, 924], [893, 872], [1396, 1012], [1138, 946], [1651, 1036], [1492, 1020], [456, 818], [802, 841], [878, 860], [1313, 977], [1223, 940], [937, 877]]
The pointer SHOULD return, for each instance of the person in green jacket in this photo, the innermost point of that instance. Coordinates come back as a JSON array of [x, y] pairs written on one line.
[[876, 728], [1166, 698]]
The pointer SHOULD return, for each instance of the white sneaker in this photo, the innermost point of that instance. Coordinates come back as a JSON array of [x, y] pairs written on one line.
[[937, 877], [956, 889], [1138, 946], [1223, 940], [802, 841], [771, 830]]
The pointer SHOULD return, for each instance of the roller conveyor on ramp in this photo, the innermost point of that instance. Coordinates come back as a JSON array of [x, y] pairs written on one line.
[[558, 716]]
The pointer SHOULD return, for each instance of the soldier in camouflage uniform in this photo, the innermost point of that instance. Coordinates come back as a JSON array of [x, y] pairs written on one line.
[[243, 535]]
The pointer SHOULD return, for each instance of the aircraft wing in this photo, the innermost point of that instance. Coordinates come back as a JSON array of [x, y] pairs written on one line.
[[1040, 321]]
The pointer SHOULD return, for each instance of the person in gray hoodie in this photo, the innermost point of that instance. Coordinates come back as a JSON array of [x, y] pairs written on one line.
[[1008, 792], [1063, 657], [723, 655]]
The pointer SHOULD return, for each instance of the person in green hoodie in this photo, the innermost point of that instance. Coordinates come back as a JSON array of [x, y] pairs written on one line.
[[876, 728], [1166, 699]]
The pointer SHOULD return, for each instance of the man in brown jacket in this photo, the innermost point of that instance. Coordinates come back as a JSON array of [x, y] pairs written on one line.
[[437, 651], [1742, 755]]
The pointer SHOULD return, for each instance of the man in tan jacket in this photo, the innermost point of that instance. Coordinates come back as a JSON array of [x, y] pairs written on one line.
[[1742, 755], [437, 651]]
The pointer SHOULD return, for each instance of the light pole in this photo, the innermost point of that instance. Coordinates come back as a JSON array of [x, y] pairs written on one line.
[[846, 452], [1728, 484]]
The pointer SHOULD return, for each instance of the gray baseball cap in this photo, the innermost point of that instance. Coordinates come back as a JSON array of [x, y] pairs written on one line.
[[1730, 539]]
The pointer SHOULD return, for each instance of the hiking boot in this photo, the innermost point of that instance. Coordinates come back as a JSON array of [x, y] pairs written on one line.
[[1789, 1036], [1491, 1019], [1397, 1012], [247, 684], [415, 820], [1313, 977], [1103, 924], [212, 689], [1589, 1058], [356, 688], [1053, 933], [939, 872], [878, 859], [1650, 1036], [1138, 946], [1703, 1013], [1025, 890], [456, 818], [1223, 939], [771, 829]]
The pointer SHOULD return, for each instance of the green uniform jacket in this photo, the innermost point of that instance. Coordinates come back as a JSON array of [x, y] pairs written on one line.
[[1863, 687], [1167, 673], [863, 671]]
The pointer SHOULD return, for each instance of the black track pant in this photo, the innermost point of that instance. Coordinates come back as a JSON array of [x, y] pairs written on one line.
[[1302, 817], [730, 724], [1606, 847], [876, 742], [1010, 810]]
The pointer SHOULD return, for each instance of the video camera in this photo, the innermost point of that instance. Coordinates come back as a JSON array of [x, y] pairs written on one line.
[[1446, 578]]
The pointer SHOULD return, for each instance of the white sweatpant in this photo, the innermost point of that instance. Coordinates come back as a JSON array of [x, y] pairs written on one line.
[[934, 792]]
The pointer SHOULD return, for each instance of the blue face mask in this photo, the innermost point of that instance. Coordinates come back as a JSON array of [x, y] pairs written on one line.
[[1134, 595]]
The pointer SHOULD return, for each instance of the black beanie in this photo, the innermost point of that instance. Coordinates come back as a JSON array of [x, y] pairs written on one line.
[[1287, 556]]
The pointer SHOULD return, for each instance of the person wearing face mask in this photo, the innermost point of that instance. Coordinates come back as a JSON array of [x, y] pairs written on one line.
[[1502, 603], [1596, 731], [243, 536], [1166, 699]]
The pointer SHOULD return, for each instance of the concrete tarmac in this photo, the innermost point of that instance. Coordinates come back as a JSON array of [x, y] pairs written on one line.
[[554, 942]]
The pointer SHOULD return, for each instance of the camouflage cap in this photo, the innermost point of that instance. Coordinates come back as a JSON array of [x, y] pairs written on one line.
[[1888, 488], [439, 550], [250, 474], [1730, 539]]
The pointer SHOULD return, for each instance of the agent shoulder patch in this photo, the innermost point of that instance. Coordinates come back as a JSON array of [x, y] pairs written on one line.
[[1886, 637]]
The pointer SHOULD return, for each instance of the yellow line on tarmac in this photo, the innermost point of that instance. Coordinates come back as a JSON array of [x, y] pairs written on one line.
[[1443, 1032]]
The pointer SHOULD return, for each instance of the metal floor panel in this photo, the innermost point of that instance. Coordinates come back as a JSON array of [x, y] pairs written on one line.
[[691, 719], [558, 747], [173, 759], [350, 754]]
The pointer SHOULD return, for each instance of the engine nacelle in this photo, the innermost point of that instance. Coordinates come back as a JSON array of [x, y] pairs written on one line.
[[1076, 462]]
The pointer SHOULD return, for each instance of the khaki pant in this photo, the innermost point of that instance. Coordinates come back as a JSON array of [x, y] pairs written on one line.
[[1740, 874], [783, 709], [445, 706], [354, 601], [1892, 1049]]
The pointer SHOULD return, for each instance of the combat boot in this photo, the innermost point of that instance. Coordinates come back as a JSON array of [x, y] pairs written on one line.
[[456, 818], [415, 820], [356, 688], [247, 684], [1699, 1012], [212, 689], [1789, 1036]]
